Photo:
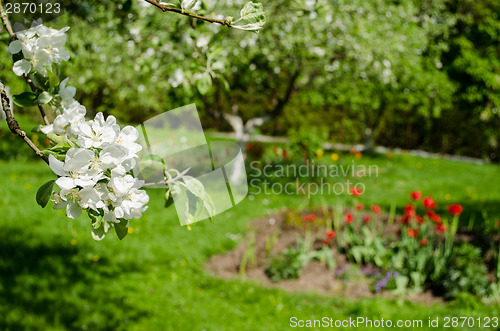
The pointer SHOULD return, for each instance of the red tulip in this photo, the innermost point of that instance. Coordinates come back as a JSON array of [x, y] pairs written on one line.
[[410, 211], [349, 218], [325, 243], [405, 220], [433, 216], [330, 234], [376, 209], [429, 202], [367, 218], [416, 195], [412, 232], [440, 228], [423, 242], [455, 209], [285, 154], [359, 206], [309, 218], [356, 192], [420, 220]]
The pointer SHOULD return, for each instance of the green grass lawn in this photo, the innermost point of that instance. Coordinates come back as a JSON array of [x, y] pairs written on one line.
[[54, 276]]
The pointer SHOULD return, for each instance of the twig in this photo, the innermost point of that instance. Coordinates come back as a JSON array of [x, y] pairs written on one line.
[[181, 12], [169, 179], [8, 27], [14, 126], [40, 108], [5, 22]]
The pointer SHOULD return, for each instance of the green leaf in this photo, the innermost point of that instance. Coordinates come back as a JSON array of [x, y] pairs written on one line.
[[169, 199], [44, 192], [43, 98], [169, 4], [127, 6], [209, 205], [25, 99], [121, 229], [188, 4], [96, 218], [224, 82], [40, 81], [252, 17], [53, 79], [195, 186], [99, 233], [204, 84], [37, 129]]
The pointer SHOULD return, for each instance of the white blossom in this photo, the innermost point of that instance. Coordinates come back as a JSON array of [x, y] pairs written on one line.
[[76, 170], [95, 175], [66, 93], [177, 78], [128, 201], [69, 121], [127, 138], [99, 132], [41, 46]]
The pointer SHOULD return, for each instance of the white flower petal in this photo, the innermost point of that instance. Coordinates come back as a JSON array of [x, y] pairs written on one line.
[[48, 129], [21, 67], [65, 183], [129, 133], [57, 166], [15, 46], [73, 210], [78, 158]]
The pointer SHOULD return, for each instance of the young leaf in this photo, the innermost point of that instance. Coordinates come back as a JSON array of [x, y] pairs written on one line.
[[204, 84], [121, 229], [53, 79], [127, 5], [195, 186], [252, 17], [168, 4], [224, 82], [43, 98], [99, 233], [25, 99], [169, 199], [44, 192], [96, 218], [40, 81], [188, 4]]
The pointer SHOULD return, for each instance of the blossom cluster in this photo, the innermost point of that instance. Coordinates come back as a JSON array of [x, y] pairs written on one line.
[[96, 173], [92, 158], [41, 46]]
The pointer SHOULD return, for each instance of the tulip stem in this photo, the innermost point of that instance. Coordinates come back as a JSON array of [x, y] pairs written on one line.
[[392, 214]]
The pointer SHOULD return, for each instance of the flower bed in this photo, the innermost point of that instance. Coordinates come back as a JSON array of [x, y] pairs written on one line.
[[361, 251]]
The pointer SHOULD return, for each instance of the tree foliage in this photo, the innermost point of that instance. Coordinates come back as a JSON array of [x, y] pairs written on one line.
[[407, 73]]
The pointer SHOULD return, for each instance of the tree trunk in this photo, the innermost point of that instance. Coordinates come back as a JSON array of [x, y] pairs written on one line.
[[368, 140]]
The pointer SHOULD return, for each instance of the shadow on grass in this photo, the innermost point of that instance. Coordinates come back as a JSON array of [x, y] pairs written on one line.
[[49, 284]]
